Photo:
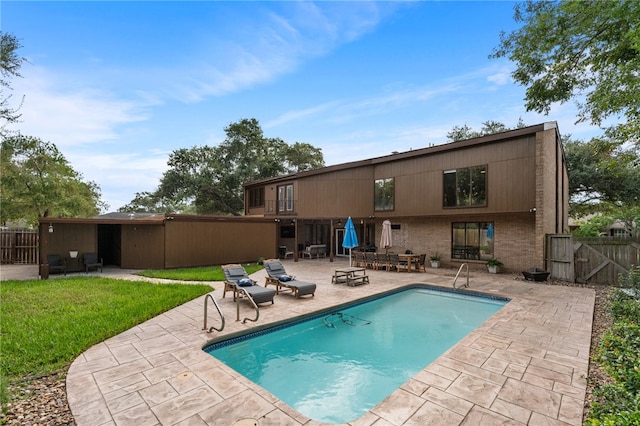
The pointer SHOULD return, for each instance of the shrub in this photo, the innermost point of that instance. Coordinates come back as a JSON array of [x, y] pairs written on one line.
[[619, 353], [618, 403]]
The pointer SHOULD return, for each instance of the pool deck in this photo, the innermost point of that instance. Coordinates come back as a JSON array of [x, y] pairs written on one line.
[[526, 365]]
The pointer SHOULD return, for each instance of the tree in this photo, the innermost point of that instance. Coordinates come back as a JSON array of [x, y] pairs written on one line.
[[10, 63], [150, 202], [489, 127], [595, 226], [587, 51], [37, 181], [209, 179], [604, 176]]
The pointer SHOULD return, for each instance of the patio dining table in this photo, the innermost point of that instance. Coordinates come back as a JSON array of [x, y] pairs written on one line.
[[409, 258]]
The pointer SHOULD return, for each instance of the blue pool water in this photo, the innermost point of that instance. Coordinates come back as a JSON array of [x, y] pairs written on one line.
[[335, 367]]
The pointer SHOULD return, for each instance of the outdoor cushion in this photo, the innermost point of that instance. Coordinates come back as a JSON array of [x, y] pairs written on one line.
[[245, 282], [236, 272], [260, 294], [284, 278]]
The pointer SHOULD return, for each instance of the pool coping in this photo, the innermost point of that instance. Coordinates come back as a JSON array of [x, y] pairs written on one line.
[[527, 364]]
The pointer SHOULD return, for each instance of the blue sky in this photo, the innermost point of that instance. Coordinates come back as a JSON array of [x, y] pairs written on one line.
[[117, 86]]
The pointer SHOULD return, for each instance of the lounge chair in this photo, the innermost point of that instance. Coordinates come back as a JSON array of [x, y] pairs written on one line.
[[278, 277], [236, 277], [91, 260], [56, 264]]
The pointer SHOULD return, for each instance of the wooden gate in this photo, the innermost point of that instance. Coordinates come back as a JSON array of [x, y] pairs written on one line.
[[559, 258], [590, 260], [19, 247]]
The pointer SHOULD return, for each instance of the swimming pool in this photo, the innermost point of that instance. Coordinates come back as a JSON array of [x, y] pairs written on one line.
[[336, 366]]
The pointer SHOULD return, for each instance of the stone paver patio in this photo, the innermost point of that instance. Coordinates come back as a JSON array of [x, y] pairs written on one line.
[[526, 365]]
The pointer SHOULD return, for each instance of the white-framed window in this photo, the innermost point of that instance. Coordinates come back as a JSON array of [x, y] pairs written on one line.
[[285, 198]]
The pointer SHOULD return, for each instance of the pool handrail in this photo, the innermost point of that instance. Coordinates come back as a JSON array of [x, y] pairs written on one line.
[[460, 270], [206, 300], [255, 306]]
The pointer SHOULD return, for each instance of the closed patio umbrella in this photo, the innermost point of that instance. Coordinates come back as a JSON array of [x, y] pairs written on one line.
[[350, 238], [385, 238]]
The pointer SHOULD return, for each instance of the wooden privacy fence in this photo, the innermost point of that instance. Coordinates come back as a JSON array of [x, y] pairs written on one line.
[[590, 260], [19, 246]]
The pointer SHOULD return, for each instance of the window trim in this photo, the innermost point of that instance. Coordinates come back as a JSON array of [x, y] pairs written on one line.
[[456, 190], [256, 201], [384, 207], [484, 251], [285, 205]]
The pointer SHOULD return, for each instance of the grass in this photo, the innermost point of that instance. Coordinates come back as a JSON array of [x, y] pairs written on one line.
[[205, 273], [46, 324]]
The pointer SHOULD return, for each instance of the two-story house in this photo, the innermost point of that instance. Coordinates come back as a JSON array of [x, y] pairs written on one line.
[[472, 200]]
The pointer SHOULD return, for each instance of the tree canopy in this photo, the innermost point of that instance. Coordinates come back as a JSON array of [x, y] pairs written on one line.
[[489, 127], [209, 179], [10, 63], [604, 176], [586, 51], [36, 181]]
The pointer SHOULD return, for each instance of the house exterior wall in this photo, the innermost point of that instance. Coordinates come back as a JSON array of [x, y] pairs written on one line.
[[214, 242], [526, 193], [165, 242], [71, 236], [514, 238], [142, 247], [418, 183]]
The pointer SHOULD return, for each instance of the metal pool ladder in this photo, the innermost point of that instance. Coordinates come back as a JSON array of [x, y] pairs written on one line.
[[246, 293], [206, 299], [460, 270]]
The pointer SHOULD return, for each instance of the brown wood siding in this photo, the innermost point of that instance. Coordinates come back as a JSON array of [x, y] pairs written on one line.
[[325, 195], [71, 236], [510, 179], [142, 247], [192, 243], [511, 183]]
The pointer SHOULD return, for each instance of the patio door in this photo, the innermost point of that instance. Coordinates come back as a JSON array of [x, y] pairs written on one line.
[[339, 250]]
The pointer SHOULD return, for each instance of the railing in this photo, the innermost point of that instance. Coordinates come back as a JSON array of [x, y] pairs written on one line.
[[458, 274], [206, 299], [274, 207], [252, 302]]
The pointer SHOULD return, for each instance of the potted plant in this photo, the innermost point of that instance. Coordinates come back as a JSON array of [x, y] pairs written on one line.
[[493, 264], [434, 259]]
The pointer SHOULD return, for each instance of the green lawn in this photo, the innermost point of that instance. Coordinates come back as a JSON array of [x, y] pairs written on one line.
[[46, 324], [205, 273]]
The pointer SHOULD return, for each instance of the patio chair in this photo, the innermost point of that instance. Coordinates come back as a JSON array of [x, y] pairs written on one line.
[[402, 264], [361, 259], [91, 260], [56, 264], [382, 260], [393, 260], [420, 263], [236, 277], [278, 277], [370, 260]]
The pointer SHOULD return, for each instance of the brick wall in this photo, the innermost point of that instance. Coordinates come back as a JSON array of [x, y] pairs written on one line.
[[514, 239]]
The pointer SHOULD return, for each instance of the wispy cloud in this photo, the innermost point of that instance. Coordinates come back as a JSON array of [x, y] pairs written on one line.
[[69, 118], [273, 43]]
